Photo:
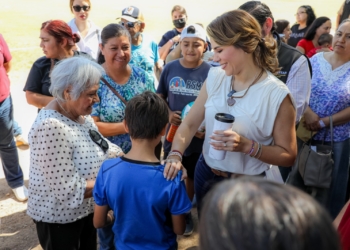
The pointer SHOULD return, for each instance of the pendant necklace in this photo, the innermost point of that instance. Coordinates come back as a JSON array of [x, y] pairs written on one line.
[[59, 104], [230, 100]]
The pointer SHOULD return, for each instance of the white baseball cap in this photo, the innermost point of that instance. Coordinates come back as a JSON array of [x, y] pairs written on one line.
[[194, 30]]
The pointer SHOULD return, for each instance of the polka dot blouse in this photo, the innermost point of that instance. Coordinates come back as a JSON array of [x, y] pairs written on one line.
[[62, 158]]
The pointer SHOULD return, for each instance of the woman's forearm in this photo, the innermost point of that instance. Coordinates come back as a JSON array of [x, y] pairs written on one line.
[[339, 118], [38, 100], [174, 54], [183, 137], [164, 50], [110, 129]]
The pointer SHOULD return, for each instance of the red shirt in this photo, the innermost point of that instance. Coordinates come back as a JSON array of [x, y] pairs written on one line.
[[306, 45], [5, 57], [344, 229]]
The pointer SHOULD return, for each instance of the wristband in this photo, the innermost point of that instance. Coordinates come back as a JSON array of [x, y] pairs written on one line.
[[177, 152], [172, 153], [322, 124], [258, 151], [252, 148]]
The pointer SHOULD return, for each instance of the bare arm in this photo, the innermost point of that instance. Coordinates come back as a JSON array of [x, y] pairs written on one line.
[[312, 119], [186, 131], [284, 150], [179, 224], [101, 216], [191, 123], [301, 49], [38, 100], [88, 190], [7, 66], [164, 50], [174, 54], [109, 128]]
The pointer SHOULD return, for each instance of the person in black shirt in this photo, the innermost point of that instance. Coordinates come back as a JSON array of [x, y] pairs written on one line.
[[57, 43], [304, 17]]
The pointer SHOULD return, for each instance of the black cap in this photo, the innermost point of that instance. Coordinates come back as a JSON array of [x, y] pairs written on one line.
[[226, 118]]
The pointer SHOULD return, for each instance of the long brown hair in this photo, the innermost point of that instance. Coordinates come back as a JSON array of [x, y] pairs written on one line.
[[240, 29]]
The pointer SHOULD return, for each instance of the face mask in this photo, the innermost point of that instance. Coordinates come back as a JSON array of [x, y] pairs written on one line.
[[179, 23]]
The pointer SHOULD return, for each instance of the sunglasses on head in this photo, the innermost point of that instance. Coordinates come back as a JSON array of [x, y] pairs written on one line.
[[78, 8], [99, 140], [129, 24]]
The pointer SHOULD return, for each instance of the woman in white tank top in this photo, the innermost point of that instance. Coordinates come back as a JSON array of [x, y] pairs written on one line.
[[263, 133]]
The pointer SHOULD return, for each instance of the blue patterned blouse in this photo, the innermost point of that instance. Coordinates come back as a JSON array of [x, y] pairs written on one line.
[[112, 109], [330, 93]]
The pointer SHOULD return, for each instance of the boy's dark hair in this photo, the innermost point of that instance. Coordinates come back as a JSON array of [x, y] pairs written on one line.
[[256, 214], [146, 115], [325, 38]]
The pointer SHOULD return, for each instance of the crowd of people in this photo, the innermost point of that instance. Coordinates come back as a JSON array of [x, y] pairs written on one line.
[[131, 134]]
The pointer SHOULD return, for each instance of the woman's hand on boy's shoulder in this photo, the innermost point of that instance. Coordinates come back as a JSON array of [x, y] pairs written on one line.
[[172, 168]]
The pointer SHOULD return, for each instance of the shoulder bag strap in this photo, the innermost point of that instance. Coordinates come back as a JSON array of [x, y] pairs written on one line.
[[114, 91], [331, 128]]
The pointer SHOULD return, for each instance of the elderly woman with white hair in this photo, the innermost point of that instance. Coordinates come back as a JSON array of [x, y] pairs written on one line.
[[66, 154]]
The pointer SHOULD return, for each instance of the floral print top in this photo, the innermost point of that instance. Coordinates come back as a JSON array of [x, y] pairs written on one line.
[[330, 93], [112, 109]]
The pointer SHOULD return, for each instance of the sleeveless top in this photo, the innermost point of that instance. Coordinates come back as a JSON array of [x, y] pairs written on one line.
[[254, 114]]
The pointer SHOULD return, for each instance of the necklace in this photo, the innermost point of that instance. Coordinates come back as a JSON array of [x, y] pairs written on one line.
[[230, 100], [69, 114]]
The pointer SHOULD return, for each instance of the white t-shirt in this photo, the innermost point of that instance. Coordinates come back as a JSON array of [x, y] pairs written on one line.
[[90, 43], [62, 158], [254, 114]]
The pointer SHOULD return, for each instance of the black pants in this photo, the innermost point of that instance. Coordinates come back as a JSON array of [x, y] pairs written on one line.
[[78, 235]]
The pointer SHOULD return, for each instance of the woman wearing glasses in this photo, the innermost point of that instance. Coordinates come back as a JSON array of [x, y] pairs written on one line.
[[262, 133], [66, 154], [57, 43], [304, 17], [89, 33]]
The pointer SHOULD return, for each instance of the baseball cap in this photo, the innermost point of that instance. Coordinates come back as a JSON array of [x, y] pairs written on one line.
[[194, 30], [132, 14]]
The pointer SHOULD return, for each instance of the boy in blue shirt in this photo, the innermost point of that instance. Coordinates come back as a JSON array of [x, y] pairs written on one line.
[[149, 210]]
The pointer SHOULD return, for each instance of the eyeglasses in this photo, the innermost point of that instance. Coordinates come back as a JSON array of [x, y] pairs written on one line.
[[99, 140], [129, 24], [299, 13], [78, 8]]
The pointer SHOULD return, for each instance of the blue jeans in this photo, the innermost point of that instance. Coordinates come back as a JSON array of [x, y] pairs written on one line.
[[17, 130], [106, 238], [204, 180], [8, 151], [340, 176]]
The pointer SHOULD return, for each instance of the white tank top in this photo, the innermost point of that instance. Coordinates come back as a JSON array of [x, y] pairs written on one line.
[[254, 114]]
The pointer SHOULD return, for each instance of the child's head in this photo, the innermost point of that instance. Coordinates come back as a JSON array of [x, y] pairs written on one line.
[[146, 116], [257, 214], [193, 42], [325, 40]]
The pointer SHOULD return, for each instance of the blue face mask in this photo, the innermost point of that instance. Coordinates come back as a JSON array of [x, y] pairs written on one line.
[[179, 23]]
